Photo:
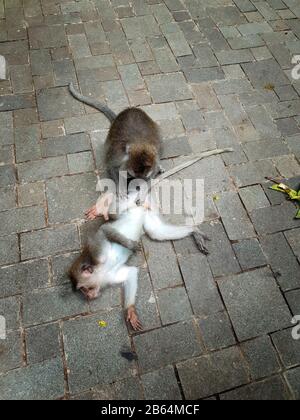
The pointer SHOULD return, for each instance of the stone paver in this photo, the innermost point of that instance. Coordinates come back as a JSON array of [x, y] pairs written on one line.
[[212, 74]]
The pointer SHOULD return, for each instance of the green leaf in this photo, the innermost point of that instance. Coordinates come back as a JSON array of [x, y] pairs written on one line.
[[298, 214]]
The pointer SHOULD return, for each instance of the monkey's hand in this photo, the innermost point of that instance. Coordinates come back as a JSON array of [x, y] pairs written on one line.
[[133, 319], [101, 208]]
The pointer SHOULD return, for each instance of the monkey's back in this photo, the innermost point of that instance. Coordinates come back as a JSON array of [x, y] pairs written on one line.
[[132, 126]]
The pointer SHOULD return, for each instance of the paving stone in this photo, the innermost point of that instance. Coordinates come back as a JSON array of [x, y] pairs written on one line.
[[60, 193], [64, 72], [174, 305], [288, 126], [234, 57], [6, 128], [10, 308], [235, 219], [165, 60], [42, 343], [7, 198], [262, 122], [11, 352], [60, 266], [43, 169], [136, 27], [226, 15], [249, 254], [44, 36], [79, 45], [27, 141], [216, 331], [246, 296], [116, 98], [7, 155], [283, 109], [87, 369], [293, 299], [244, 42], [162, 264], [22, 219], [9, 250], [212, 374], [131, 77], [49, 241], [254, 198], [57, 103], [141, 50], [49, 386], [22, 277], [272, 389], [146, 303], [261, 357], [221, 257], [293, 237], [274, 219], [161, 385], [229, 87], [265, 149], [10, 103], [166, 88], [254, 28], [159, 348], [81, 162], [287, 166], [287, 347], [245, 174], [7, 175], [21, 79], [204, 74], [25, 117], [265, 73], [293, 379], [46, 305], [65, 145], [200, 285], [262, 53]]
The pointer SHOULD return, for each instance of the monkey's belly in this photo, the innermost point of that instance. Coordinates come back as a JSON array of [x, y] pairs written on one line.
[[131, 223]]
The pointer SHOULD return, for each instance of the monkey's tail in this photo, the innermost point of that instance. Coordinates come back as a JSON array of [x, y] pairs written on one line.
[[94, 103]]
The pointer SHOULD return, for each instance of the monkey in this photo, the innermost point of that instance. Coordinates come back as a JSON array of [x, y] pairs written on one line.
[[103, 262], [133, 144]]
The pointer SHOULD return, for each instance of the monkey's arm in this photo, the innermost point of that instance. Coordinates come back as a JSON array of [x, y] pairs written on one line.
[[114, 236], [129, 277]]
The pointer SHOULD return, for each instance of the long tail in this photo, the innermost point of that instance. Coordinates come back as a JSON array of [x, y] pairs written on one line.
[[94, 103]]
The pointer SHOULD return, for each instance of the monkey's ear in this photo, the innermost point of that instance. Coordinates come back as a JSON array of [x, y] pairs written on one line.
[[87, 270]]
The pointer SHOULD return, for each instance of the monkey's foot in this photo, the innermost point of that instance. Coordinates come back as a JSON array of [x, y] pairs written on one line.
[[200, 240], [133, 319]]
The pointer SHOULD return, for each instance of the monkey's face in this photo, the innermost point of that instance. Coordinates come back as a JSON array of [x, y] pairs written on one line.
[[85, 279], [142, 161]]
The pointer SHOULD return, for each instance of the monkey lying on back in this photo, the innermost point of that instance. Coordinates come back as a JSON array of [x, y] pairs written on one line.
[[103, 261], [133, 144]]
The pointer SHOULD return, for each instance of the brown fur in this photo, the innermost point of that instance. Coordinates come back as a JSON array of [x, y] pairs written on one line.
[[133, 129], [85, 259]]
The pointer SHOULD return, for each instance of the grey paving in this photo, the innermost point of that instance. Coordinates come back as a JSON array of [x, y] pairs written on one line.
[[212, 74]]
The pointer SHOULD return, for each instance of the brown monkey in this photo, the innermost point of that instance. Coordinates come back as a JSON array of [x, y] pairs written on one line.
[[133, 143]]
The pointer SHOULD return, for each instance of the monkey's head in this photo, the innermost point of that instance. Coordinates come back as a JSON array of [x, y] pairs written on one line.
[[84, 275], [142, 161]]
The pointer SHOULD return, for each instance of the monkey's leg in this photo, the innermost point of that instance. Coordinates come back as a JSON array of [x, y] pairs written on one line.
[[114, 236], [129, 277]]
